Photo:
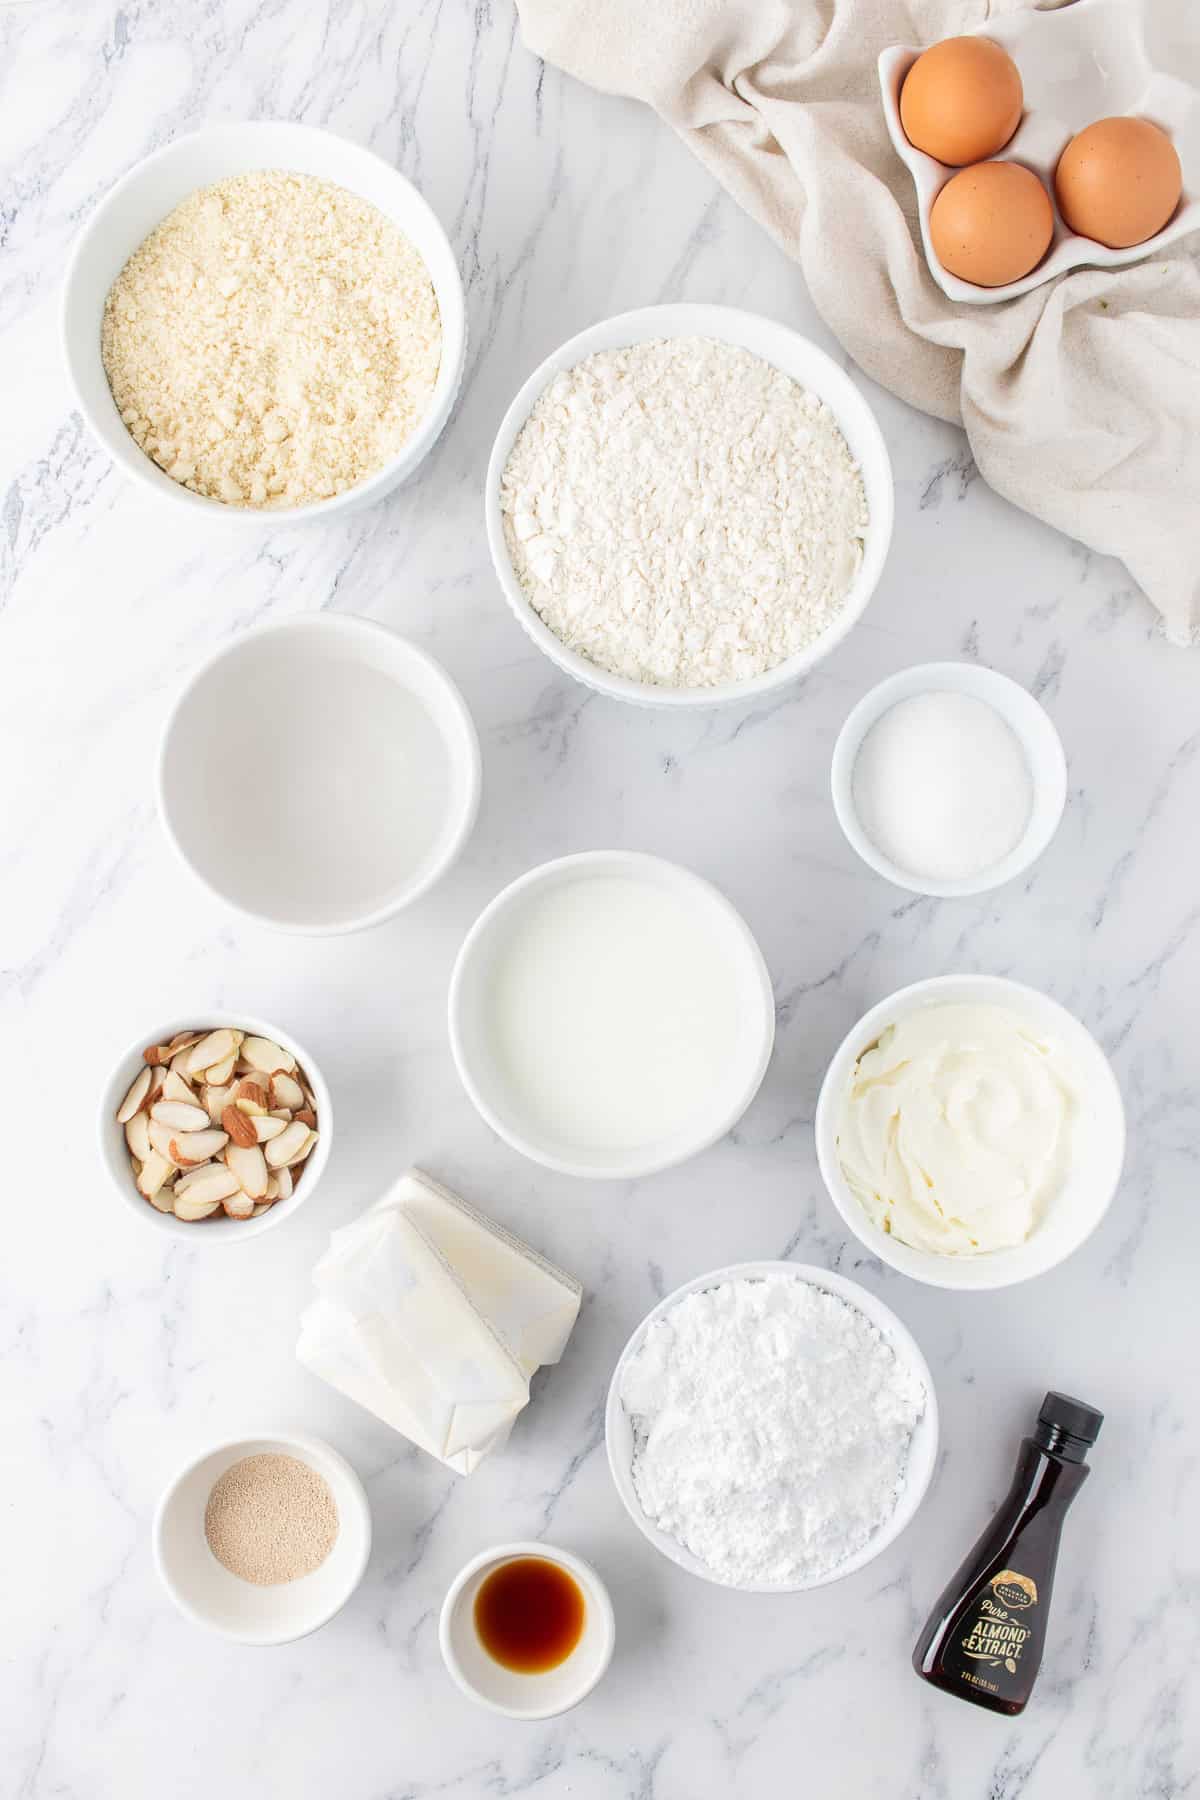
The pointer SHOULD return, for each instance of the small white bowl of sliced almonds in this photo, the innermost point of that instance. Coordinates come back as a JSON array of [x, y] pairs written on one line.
[[215, 1128]]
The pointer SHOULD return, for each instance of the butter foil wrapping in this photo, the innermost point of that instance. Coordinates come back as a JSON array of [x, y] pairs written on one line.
[[434, 1318]]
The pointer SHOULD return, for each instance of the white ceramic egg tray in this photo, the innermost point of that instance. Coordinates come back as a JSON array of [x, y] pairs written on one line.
[[1092, 60]]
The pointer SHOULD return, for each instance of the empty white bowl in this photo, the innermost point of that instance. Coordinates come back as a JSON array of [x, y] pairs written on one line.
[[922, 1456], [319, 774], [1029, 723], [1098, 1144], [525, 1696], [785, 350], [152, 189], [114, 1152], [472, 989], [207, 1593]]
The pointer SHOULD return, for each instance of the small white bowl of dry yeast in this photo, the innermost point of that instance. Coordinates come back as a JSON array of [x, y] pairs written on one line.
[[209, 1593]]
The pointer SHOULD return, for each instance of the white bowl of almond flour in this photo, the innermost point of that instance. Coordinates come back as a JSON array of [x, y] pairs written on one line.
[[263, 1539], [688, 505], [264, 322]]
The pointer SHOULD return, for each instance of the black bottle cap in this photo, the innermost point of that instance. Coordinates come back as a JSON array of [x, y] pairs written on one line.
[[1074, 1417]]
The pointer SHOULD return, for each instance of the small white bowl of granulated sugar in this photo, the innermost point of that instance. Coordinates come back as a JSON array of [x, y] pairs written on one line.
[[262, 323], [263, 1539]]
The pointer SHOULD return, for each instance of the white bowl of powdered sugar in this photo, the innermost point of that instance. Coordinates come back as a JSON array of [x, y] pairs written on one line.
[[771, 1427], [688, 505]]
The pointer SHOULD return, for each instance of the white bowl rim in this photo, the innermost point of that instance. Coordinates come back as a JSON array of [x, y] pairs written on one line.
[[305, 1446], [1039, 738], [228, 1231], [917, 1481], [994, 1270], [469, 764], [587, 1577], [702, 319], [632, 1167], [454, 337]]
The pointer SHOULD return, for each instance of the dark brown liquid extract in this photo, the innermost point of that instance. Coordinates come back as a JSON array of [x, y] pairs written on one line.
[[529, 1614], [985, 1637]]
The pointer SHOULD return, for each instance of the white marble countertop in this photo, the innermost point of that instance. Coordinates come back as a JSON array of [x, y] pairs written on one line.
[[118, 1358]]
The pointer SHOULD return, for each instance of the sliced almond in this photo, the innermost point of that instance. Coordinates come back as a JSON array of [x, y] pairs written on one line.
[[135, 1097], [307, 1117], [281, 1112], [268, 1127], [261, 1206], [251, 1097], [211, 1050], [189, 1148], [215, 1100], [189, 1177], [212, 1182], [310, 1099], [239, 1205], [174, 1087], [154, 1172], [272, 1192], [164, 1200], [308, 1144], [137, 1136], [266, 1055], [164, 1053], [158, 1077], [179, 1115], [191, 1207], [161, 1138], [287, 1183], [180, 1067], [222, 1072], [286, 1091], [250, 1168], [240, 1128], [283, 1148]]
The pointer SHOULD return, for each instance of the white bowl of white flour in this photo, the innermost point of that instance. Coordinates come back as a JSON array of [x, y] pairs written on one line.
[[771, 1427], [688, 505]]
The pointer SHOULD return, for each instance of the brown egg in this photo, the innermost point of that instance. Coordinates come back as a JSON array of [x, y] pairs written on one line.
[[992, 224], [1118, 181], [961, 100]]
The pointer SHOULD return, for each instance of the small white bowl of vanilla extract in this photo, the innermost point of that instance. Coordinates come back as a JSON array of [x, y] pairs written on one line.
[[527, 1630]]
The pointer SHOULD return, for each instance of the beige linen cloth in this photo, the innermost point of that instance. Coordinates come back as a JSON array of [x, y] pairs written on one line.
[[1081, 399]]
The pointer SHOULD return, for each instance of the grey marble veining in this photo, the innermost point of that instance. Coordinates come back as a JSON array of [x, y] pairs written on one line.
[[117, 1359]]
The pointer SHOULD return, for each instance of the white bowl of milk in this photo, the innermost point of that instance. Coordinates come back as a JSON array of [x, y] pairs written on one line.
[[611, 1015]]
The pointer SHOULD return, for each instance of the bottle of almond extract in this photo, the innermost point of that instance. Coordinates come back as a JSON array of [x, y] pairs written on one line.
[[985, 1636]]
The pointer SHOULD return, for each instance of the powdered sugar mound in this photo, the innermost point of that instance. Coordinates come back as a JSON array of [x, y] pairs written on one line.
[[772, 1426], [682, 513]]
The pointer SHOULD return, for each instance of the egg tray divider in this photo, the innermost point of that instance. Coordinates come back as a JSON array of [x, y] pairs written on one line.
[[1079, 63]]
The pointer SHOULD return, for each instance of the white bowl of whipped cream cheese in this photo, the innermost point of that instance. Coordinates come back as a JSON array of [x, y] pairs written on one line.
[[970, 1131]]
